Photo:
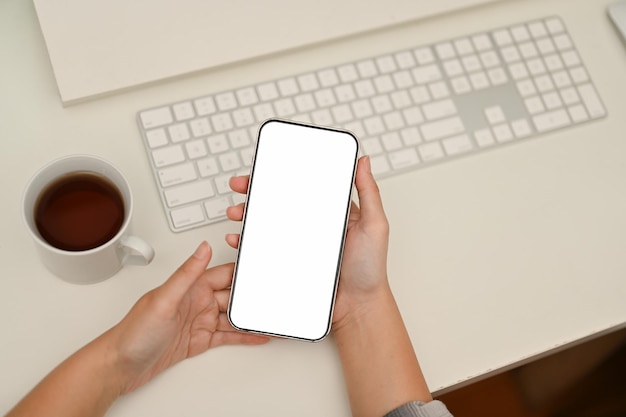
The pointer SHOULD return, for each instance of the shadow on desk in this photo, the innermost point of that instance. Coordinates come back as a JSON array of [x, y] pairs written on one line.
[[588, 380]]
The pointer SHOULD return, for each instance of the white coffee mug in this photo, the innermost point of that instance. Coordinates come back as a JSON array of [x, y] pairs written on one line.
[[92, 265]]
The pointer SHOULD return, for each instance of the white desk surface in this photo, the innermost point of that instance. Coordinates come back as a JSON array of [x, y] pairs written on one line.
[[494, 259]]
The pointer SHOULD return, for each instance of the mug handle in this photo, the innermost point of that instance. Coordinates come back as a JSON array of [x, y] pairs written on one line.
[[138, 251]]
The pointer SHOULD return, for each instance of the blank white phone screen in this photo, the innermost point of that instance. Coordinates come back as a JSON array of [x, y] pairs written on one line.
[[293, 230]]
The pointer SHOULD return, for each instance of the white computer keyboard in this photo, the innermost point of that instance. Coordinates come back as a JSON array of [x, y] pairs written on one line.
[[410, 109]]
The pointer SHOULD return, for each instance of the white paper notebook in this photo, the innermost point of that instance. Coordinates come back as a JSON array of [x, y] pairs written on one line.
[[98, 47]]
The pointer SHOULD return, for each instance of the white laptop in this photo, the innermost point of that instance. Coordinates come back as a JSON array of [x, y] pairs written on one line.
[[98, 47]]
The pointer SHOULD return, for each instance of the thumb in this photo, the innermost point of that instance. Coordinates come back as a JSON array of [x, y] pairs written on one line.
[[185, 276], [369, 194]]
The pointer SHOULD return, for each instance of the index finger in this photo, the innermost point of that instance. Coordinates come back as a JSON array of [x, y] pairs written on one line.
[[239, 184]]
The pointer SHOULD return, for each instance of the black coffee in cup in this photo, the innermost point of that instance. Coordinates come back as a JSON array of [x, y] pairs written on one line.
[[79, 211]]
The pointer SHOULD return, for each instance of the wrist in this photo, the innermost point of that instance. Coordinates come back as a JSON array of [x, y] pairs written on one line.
[[365, 309]]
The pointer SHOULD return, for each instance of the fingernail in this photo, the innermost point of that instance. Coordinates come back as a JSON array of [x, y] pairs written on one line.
[[201, 251], [368, 165]]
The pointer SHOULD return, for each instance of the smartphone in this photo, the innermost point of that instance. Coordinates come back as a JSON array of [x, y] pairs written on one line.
[[293, 230]]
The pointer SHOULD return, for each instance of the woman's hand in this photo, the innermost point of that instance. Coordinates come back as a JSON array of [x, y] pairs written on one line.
[[182, 318]]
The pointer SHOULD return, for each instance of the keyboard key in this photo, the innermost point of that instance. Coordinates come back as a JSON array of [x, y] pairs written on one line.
[[288, 87], [497, 76], [482, 42], [537, 29], [217, 208], [420, 94], [247, 96], [222, 183], [222, 122], [384, 84], [445, 50], [393, 121], [502, 37], [243, 117], [510, 54], [424, 55], [391, 142], [372, 146], [552, 100], [205, 106], [571, 59], [325, 98], [218, 143], [347, 73], [405, 60], [200, 127], [386, 64], [196, 149], [427, 74], [207, 167], [578, 113], [188, 193], [579, 75], [412, 116], [479, 80], [461, 85], [570, 96], [430, 151], [367, 68], [379, 165], [563, 42], [267, 91], [534, 105], [374, 125], [528, 50], [551, 120], [381, 104], [177, 174], [404, 158], [364, 88], [555, 25], [156, 117], [442, 128], [238, 138], [457, 145], [484, 138], [284, 107], [546, 46], [521, 128], [229, 161], [168, 156], [305, 102], [328, 77], [156, 138], [344, 93], [226, 101], [503, 132], [179, 132], [411, 136], [342, 113], [592, 101], [308, 82], [183, 111], [494, 115], [439, 109], [186, 216]]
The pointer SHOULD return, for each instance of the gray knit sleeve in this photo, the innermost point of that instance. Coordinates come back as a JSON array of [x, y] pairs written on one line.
[[420, 409]]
